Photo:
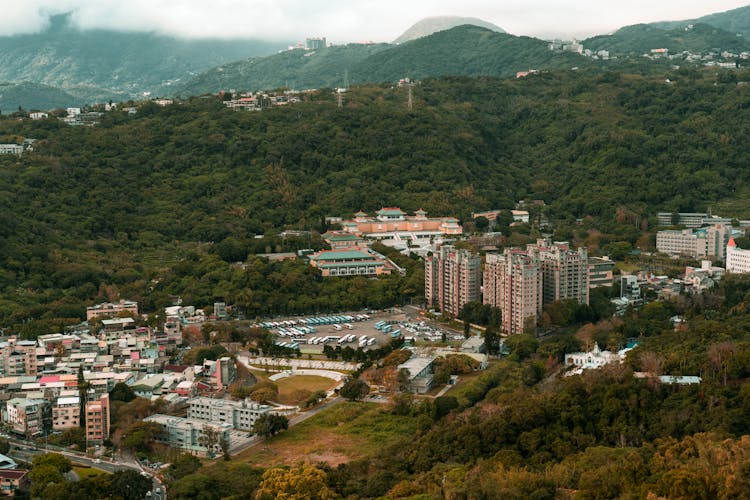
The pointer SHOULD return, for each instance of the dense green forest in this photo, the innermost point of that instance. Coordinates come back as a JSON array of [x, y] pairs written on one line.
[[641, 38], [464, 50], [167, 201]]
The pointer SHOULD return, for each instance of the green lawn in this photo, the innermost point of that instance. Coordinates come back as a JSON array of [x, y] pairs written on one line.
[[87, 472]]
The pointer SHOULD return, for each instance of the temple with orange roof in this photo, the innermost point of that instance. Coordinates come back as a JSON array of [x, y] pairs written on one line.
[[393, 227]]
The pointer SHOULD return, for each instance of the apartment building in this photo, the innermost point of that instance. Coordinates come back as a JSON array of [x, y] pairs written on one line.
[[97, 420], [29, 417], [565, 272], [66, 413], [239, 414], [189, 435], [452, 279], [601, 272], [520, 281], [18, 357], [512, 283]]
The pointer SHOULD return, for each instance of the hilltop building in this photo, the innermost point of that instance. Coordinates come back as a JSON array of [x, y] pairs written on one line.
[[452, 279], [109, 310], [392, 227], [315, 43]]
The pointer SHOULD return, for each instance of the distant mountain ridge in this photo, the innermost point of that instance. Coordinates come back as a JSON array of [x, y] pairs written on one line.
[[736, 21], [641, 38], [461, 51], [102, 64], [430, 25]]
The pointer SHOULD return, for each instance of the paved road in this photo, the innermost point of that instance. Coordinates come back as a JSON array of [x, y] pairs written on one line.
[[26, 452]]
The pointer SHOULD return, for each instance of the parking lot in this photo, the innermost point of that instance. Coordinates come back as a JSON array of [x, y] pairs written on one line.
[[311, 334]]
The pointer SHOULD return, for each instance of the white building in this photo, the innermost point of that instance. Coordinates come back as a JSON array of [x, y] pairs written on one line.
[[11, 149], [704, 242], [239, 414], [188, 435], [594, 359], [738, 260]]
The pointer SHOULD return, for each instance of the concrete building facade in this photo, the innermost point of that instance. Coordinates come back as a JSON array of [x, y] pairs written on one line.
[[738, 260], [519, 282], [705, 242], [512, 283], [189, 435], [239, 414], [66, 413], [452, 279], [97, 420]]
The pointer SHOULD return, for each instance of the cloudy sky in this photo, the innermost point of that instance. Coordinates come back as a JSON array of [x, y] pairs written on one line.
[[346, 20]]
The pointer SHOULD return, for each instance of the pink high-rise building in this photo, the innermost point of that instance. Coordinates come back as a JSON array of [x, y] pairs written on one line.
[[519, 282], [452, 279]]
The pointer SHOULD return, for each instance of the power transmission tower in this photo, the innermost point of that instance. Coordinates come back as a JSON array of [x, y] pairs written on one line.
[[410, 101]]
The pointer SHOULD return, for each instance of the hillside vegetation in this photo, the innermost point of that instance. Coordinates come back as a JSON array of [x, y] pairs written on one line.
[[464, 50], [163, 202], [641, 38]]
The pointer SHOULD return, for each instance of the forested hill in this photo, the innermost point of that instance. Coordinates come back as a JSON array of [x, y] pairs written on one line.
[[641, 38], [117, 202], [464, 50], [33, 96], [733, 21], [95, 65]]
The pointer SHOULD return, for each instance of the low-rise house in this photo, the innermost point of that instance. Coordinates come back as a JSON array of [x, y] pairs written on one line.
[[13, 480], [421, 373]]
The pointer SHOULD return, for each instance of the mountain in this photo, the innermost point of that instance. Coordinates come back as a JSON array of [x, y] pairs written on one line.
[[430, 25], [298, 68], [734, 21], [641, 38], [464, 50], [33, 96], [102, 63]]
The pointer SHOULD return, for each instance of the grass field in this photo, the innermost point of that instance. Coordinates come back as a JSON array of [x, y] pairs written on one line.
[[86, 472], [336, 435], [295, 389]]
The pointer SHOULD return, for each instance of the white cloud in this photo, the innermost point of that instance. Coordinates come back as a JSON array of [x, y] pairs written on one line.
[[343, 21]]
